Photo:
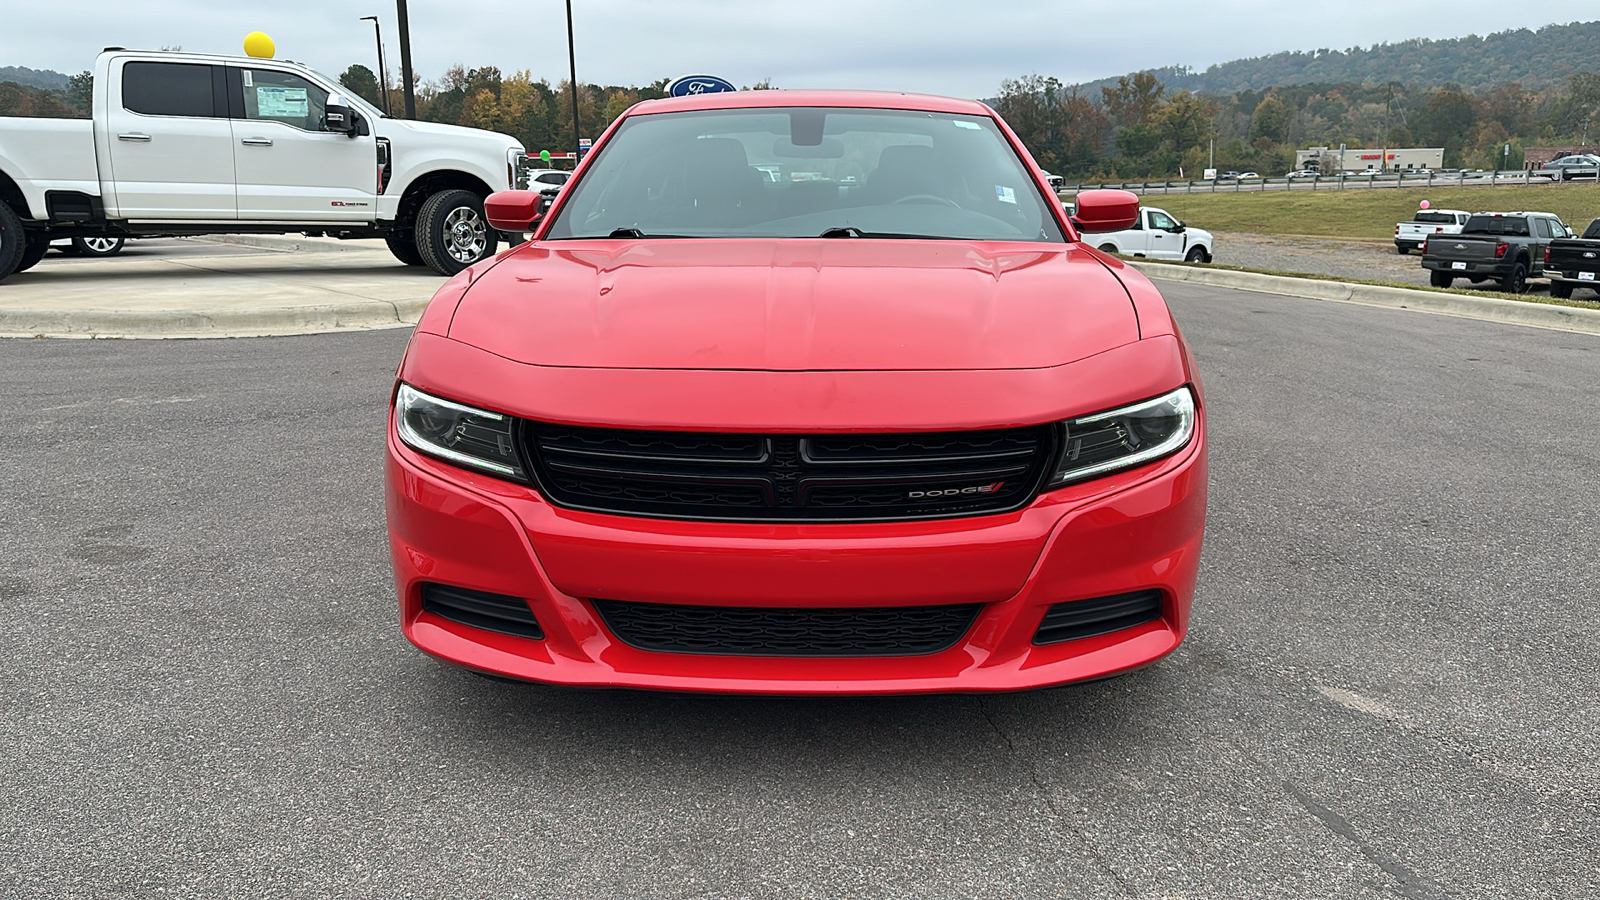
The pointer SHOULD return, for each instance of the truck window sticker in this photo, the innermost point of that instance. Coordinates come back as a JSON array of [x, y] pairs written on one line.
[[275, 102]]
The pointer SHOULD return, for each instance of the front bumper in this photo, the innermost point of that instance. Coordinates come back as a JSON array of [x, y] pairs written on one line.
[[1132, 531]]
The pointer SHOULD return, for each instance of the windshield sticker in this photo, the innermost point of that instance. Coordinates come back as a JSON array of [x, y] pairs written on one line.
[[961, 123], [1006, 195], [248, 80], [281, 102]]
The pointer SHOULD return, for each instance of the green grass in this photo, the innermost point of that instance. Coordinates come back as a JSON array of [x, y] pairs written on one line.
[[1368, 214]]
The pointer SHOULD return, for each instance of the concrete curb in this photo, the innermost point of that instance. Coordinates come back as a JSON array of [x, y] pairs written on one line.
[[175, 323], [1488, 309]]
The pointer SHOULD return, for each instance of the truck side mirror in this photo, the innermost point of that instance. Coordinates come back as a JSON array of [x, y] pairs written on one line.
[[344, 120]]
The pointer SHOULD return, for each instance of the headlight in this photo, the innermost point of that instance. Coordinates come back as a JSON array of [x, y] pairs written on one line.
[[516, 159], [469, 437], [1126, 437]]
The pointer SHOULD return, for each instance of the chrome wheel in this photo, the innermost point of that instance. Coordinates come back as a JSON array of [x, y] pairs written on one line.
[[100, 244], [465, 235]]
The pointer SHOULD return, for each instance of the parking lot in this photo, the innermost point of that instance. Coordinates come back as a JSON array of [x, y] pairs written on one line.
[[1388, 691]]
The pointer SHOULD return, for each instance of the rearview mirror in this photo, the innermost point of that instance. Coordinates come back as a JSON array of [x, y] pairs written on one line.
[[1101, 211], [515, 211]]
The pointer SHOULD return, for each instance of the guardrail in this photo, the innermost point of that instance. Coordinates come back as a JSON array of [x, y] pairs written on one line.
[[1326, 182]]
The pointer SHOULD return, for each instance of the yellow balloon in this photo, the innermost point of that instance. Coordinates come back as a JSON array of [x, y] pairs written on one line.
[[258, 45]]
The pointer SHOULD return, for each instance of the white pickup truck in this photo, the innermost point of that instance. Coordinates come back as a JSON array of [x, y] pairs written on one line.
[[185, 143], [1158, 235], [1409, 236]]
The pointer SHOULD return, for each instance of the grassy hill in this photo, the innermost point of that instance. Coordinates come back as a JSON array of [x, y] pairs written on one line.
[[1368, 214], [1536, 59]]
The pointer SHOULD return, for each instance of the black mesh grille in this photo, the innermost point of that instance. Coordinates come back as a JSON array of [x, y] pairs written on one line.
[[491, 612], [751, 631], [775, 477], [1102, 615]]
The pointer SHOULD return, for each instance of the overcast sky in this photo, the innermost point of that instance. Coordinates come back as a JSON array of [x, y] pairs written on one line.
[[931, 46]]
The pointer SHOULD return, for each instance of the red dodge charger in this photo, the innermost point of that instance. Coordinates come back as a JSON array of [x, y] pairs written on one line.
[[799, 392]]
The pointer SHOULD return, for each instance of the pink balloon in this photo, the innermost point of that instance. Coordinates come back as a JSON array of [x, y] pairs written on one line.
[[1424, 204]]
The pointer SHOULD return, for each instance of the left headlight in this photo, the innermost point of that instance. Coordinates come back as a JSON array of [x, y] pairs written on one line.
[[1122, 438], [469, 437], [515, 160]]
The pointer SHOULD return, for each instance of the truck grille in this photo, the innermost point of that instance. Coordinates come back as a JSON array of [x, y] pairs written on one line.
[[756, 631], [789, 478]]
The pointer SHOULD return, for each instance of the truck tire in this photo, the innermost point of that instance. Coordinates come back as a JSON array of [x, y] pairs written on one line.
[[32, 252], [1197, 255], [1109, 248], [96, 246], [1561, 290], [1440, 279], [1402, 249], [452, 232], [12, 241], [403, 244], [1515, 281]]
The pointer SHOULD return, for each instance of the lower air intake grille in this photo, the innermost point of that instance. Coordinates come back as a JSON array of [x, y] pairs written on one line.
[[1102, 615], [491, 612], [754, 631]]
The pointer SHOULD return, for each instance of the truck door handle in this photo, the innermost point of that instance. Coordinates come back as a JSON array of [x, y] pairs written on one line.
[[134, 136], [257, 142]]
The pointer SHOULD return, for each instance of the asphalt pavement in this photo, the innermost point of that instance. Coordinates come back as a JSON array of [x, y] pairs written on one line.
[[1389, 690]]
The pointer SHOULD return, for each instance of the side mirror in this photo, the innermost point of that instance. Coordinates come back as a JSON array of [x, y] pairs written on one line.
[[515, 211], [1101, 211], [1179, 228], [343, 120]]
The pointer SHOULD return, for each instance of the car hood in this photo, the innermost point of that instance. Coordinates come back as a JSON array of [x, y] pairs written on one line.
[[796, 305], [389, 126]]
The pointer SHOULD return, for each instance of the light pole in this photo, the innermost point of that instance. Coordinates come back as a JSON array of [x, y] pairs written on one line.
[[572, 62], [405, 61], [383, 72]]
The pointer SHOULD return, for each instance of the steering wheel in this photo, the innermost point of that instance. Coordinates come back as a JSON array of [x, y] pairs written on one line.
[[927, 198]]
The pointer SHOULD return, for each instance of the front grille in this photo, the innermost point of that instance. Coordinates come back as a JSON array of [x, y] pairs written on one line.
[[756, 631], [794, 478], [1102, 615], [491, 612]]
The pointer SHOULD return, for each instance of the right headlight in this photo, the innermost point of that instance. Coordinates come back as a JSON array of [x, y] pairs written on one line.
[[1122, 438], [464, 435]]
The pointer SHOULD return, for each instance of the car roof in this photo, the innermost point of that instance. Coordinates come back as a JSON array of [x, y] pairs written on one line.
[[846, 99]]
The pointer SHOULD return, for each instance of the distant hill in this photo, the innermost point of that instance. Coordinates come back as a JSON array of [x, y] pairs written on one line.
[[1536, 59], [35, 78]]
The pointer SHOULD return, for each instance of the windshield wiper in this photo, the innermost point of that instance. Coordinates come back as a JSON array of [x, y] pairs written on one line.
[[626, 233], [850, 231]]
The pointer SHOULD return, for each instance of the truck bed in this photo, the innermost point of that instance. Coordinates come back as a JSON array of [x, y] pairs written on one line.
[[57, 155]]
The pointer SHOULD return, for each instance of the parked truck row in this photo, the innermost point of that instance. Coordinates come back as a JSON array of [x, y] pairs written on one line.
[[187, 144]]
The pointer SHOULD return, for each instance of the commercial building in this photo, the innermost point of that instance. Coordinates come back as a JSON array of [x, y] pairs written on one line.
[[1332, 161]]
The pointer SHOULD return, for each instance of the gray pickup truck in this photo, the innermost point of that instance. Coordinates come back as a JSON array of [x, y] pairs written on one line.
[[1506, 247], [1574, 262]]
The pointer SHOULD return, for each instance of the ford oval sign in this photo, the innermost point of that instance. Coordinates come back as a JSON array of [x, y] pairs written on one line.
[[689, 85]]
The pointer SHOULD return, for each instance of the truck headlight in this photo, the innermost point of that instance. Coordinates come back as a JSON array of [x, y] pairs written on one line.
[[469, 437], [1123, 438]]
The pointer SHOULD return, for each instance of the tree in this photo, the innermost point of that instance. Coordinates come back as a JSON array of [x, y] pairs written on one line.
[[80, 91], [360, 80], [1134, 100], [1271, 120]]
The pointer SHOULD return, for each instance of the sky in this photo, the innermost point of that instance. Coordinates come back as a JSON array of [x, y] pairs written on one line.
[[960, 49]]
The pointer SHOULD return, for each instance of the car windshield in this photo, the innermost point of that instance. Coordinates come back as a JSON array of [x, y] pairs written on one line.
[[806, 172]]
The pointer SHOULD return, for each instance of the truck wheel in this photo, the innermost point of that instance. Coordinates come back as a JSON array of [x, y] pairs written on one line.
[[96, 246], [1439, 279], [1108, 248], [1197, 255], [1561, 290], [1402, 249], [403, 244], [12, 241], [1516, 281], [452, 232], [32, 252]]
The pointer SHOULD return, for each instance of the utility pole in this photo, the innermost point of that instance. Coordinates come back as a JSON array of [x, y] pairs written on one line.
[[405, 61], [572, 62], [383, 71]]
